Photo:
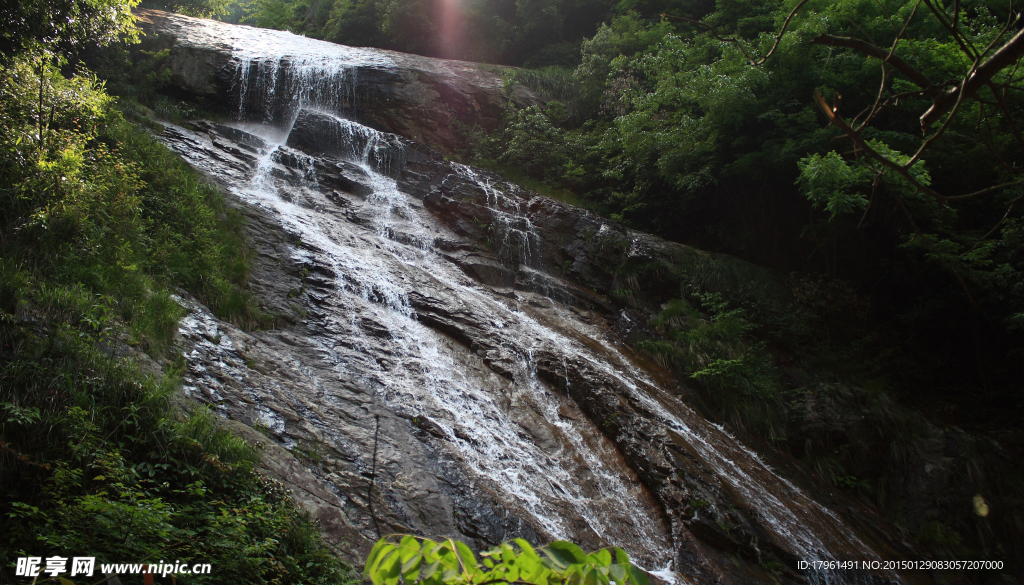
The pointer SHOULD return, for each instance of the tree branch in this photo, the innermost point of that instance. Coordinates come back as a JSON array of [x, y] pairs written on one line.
[[1004, 57], [860, 143], [991, 189], [734, 40], [867, 48], [1009, 209]]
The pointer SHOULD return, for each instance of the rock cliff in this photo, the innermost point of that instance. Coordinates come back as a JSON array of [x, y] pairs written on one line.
[[428, 100]]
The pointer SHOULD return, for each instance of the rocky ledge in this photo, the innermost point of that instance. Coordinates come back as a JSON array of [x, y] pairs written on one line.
[[422, 98]]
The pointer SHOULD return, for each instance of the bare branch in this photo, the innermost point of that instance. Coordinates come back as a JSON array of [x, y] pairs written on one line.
[[871, 200], [853, 135], [778, 37], [1006, 114], [928, 141], [986, 191], [1009, 209], [868, 49], [1007, 55], [952, 30], [734, 40], [875, 107]]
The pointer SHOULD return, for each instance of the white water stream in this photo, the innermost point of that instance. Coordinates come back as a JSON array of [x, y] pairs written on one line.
[[571, 485]]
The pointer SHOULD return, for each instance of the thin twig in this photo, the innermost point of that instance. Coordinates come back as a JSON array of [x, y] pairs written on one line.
[[867, 48], [986, 191], [1009, 209], [736, 41], [1009, 120], [953, 31], [373, 475], [853, 135], [871, 200], [917, 232]]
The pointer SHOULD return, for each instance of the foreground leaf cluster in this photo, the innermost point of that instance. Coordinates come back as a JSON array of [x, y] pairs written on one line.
[[413, 559]]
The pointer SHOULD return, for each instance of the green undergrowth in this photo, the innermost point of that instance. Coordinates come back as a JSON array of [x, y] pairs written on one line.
[[99, 226], [784, 358]]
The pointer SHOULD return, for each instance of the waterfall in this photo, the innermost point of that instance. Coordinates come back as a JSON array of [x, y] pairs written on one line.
[[519, 441]]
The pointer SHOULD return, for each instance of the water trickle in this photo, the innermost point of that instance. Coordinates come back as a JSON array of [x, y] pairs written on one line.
[[276, 71], [514, 235]]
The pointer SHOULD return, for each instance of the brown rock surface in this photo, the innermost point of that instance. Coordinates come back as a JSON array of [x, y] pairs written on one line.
[[418, 97]]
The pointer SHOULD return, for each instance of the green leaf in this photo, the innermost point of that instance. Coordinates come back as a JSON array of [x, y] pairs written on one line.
[[530, 567], [601, 558], [618, 573], [429, 570], [388, 570], [565, 553], [638, 576], [621, 557], [411, 568], [525, 546], [377, 554], [447, 556], [468, 558], [408, 547], [508, 556]]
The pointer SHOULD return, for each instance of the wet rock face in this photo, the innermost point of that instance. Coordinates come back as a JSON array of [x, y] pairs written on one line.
[[471, 320], [418, 97]]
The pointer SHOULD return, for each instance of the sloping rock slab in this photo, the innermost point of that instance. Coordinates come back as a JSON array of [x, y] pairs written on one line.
[[420, 98]]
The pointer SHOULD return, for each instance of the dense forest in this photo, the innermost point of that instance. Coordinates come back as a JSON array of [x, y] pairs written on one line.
[[869, 152]]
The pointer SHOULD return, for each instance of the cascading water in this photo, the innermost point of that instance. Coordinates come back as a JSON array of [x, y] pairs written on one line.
[[512, 229], [517, 440]]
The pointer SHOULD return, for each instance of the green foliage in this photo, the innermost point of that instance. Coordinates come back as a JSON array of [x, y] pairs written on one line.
[[277, 14], [96, 458], [98, 224], [535, 32], [412, 559], [93, 199], [834, 184], [673, 131], [200, 8], [712, 344], [842, 187], [63, 26], [531, 143]]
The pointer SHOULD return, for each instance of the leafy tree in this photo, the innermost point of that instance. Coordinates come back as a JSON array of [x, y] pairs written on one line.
[[63, 26]]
